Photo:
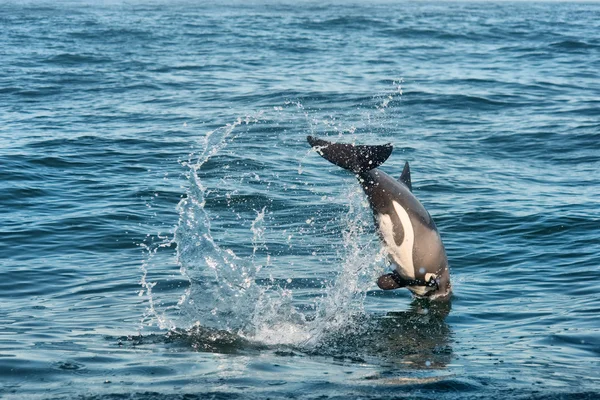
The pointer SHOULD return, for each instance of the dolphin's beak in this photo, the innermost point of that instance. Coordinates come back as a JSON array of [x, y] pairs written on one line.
[[387, 282]]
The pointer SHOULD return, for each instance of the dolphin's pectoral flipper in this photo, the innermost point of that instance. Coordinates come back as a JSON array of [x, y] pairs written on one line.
[[405, 177], [387, 282], [356, 158], [395, 281]]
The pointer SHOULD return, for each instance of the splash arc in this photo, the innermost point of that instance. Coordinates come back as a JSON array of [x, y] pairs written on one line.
[[407, 231]]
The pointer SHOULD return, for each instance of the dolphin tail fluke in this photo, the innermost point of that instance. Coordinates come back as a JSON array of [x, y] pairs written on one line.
[[356, 158]]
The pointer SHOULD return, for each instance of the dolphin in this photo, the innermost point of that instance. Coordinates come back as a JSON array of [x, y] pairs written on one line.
[[407, 231]]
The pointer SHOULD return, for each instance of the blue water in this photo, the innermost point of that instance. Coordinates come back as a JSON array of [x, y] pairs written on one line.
[[166, 232]]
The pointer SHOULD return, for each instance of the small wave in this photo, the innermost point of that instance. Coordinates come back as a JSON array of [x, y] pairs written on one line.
[[579, 342], [110, 33], [109, 146], [349, 22], [422, 33], [187, 67], [32, 93], [9, 90], [211, 340], [56, 162], [439, 384], [573, 45], [462, 101], [22, 194], [197, 337], [76, 59]]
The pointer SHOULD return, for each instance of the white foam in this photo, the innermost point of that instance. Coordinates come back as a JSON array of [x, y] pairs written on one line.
[[284, 333]]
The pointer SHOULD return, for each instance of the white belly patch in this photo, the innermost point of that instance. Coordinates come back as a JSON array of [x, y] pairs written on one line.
[[401, 255]]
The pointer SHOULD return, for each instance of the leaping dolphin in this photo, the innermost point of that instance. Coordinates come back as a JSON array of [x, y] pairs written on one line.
[[406, 229]]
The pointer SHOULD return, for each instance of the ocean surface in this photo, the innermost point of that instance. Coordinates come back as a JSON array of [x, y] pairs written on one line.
[[167, 233]]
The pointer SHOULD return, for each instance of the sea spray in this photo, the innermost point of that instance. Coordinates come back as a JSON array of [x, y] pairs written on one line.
[[225, 294], [222, 284], [344, 299], [234, 291], [152, 310], [277, 321], [191, 237]]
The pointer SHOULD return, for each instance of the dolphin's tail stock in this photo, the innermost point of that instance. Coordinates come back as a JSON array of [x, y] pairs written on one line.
[[356, 158]]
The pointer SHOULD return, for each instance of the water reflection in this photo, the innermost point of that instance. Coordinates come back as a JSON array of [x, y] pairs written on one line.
[[418, 338]]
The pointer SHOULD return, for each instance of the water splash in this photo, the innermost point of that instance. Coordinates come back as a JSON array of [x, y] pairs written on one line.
[[152, 310], [222, 286], [344, 300], [192, 237], [233, 290], [277, 321]]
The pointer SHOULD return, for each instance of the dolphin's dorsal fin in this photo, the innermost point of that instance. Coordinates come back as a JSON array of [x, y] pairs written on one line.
[[405, 177]]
